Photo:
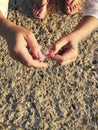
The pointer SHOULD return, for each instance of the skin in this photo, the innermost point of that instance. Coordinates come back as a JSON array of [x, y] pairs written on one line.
[[18, 38], [72, 7], [37, 12], [65, 50]]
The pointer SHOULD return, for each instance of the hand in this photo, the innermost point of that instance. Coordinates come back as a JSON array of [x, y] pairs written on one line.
[[18, 40], [65, 50]]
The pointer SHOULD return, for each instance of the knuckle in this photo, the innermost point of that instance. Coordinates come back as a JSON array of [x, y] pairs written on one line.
[[74, 58]]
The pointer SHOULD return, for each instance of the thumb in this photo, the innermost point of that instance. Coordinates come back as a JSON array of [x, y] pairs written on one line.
[[58, 45]]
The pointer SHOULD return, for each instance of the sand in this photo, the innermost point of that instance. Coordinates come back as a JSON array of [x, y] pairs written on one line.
[[57, 98]]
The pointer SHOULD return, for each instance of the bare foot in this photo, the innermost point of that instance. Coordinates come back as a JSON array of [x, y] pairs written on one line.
[[40, 8], [73, 6]]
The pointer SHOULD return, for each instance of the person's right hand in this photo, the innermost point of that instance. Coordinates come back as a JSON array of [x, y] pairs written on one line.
[[18, 39]]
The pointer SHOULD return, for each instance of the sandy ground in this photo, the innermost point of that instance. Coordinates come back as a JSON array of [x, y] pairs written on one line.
[[58, 98]]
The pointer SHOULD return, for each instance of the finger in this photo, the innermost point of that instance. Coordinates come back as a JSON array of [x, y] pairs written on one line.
[[34, 64], [66, 55], [67, 61], [38, 64], [25, 58], [34, 46], [40, 57], [58, 45], [57, 58], [69, 54]]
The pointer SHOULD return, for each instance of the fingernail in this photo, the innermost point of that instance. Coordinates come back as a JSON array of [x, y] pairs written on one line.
[[40, 55], [51, 52]]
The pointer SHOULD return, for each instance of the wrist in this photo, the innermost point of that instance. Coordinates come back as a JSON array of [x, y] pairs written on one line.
[[5, 27], [75, 37], [86, 25]]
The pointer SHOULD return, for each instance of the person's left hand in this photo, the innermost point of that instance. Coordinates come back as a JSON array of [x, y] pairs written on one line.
[[65, 50]]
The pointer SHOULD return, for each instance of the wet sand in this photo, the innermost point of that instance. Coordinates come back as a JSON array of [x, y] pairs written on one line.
[[58, 98]]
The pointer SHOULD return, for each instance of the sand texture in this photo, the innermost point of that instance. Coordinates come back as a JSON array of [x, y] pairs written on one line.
[[57, 98]]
